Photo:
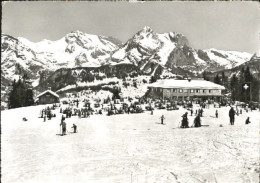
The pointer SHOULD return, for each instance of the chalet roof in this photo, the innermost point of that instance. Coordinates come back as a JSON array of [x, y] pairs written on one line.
[[48, 91], [185, 84]]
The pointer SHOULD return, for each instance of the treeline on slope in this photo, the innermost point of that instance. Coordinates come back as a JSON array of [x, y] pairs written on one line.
[[235, 84], [111, 87], [21, 94], [70, 76]]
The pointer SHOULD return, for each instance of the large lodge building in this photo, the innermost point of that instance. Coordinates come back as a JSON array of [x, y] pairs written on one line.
[[185, 89]]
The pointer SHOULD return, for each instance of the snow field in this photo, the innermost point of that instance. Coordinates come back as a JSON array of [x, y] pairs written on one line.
[[129, 148]]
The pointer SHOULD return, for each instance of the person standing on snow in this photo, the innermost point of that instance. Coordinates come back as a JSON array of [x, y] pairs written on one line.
[[216, 113], [162, 118], [63, 125], [247, 121], [185, 123], [201, 112], [62, 118], [191, 111], [232, 116], [74, 128], [197, 121]]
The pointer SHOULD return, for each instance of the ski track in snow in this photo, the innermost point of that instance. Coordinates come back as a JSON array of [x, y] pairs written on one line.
[[129, 148]]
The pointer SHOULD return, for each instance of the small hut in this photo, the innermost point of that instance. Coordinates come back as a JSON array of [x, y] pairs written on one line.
[[47, 97]]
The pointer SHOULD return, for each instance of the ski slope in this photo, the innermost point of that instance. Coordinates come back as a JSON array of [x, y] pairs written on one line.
[[129, 148]]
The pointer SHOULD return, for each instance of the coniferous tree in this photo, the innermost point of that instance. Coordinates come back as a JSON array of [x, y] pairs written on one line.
[[20, 95], [204, 75], [29, 97], [153, 79], [248, 76], [217, 79], [224, 78], [241, 82], [11, 97], [234, 85]]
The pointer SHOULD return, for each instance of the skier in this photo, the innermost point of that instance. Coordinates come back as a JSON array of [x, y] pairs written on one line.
[[185, 123], [247, 121], [191, 111], [197, 121], [151, 111], [62, 118], [63, 125], [201, 112], [74, 128], [216, 113], [162, 118], [232, 115]]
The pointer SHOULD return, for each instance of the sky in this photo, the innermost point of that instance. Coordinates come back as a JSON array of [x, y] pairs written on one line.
[[221, 25]]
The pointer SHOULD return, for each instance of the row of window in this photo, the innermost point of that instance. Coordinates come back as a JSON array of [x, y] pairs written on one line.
[[187, 90]]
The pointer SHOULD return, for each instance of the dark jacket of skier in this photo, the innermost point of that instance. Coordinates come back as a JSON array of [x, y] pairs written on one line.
[[63, 124], [185, 123], [247, 121], [197, 121], [232, 115], [74, 128]]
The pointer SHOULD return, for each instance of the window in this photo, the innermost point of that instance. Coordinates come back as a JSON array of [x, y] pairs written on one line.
[[197, 91], [209, 91], [204, 91], [192, 91], [180, 90], [185, 90]]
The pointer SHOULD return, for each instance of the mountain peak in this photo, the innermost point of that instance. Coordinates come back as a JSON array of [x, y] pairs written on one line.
[[147, 29]]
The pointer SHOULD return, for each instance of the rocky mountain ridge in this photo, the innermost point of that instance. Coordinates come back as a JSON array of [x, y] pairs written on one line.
[[146, 53]]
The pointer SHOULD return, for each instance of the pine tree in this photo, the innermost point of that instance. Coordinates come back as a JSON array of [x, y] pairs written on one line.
[[247, 75], [20, 95], [224, 78], [241, 82], [11, 97], [234, 85], [153, 79], [204, 75], [216, 79], [29, 97]]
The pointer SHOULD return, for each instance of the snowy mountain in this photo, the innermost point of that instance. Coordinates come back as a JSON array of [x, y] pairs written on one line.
[[253, 64], [76, 49], [148, 49], [146, 53]]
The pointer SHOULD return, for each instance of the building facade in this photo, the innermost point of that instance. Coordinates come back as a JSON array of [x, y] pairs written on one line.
[[47, 97], [185, 89]]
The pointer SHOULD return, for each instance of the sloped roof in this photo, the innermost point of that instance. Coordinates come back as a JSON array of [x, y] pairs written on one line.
[[185, 84], [48, 91]]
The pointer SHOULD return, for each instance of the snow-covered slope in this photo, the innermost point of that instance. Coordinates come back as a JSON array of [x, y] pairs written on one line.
[[228, 59], [129, 148]]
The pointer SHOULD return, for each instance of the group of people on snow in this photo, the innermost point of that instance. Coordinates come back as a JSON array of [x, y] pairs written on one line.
[[64, 126], [197, 119]]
